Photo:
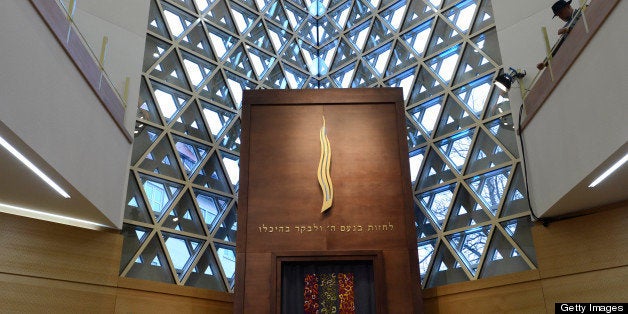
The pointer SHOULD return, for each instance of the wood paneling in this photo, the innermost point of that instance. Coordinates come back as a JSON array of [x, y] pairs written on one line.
[[24, 294], [42, 249], [137, 301], [584, 243], [606, 285], [526, 297], [369, 170]]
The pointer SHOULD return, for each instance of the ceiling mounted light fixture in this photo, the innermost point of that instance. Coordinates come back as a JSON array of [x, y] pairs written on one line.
[[504, 81]]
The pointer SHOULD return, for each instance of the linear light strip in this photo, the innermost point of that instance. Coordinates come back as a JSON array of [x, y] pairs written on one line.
[[36, 214], [608, 172], [32, 167]]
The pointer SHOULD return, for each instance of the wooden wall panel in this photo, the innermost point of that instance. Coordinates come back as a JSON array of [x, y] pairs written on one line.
[[607, 285], [526, 297], [24, 294], [43, 249], [584, 243], [137, 301]]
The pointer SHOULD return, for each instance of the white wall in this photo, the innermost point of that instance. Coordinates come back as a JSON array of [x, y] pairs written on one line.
[[585, 119], [47, 103]]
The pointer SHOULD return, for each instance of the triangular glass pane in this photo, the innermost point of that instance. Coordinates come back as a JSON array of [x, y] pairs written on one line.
[[418, 37], [415, 137], [487, 42], [417, 11], [184, 217], [292, 54], [177, 20], [520, 230], [275, 78], [152, 264], [490, 187], [203, 5], [326, 31], [309, 32], [378, 59], [239, 61], [237, 85], [393, 15], [243, 18], [500, 259], [456, 148], [145, 136], [422, 224], [344, 54], [153, 49], [188, 4], [444, 64], [276, 14], [435, 171], [466, 212], [231, 140], [228, 228], [135, 208], [249, 4], [401, 58], [160, 163], [473, 64], [442, 36], [217, 91], [358, 36], [212, 176], [461, 15], [146, 108], [206, 273], [296, 79], [485, 153], [217, 118], [475, 94], [325, 57], [212, 207], [469, 245], [359, 13], [504, 130], [170, 70], [454, 118], [404, 80], [426, 114], [278, 36], [196, 40], [484, 17], [191, 123], [198, 70], [363, 77], [258, 37], [426, 86], [220, 41], [446, 269], [134, 236], [295, 15], [340, 14], [232, 168], [182, 251], [159, 193], [416, 160], [261, 61], [156, 22], [169, 100], [498, 104], [517, 198], [219, 15], [380, 33], [190, 153], [425, 252], [436, 203], [226, 255]]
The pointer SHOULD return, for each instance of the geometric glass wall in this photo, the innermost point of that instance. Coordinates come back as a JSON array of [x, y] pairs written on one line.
[[471, 210]]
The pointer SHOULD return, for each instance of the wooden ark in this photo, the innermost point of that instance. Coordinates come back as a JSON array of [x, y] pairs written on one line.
[[280, 199]]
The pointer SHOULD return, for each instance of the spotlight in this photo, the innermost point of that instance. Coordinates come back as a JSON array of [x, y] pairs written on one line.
[[504, 80]]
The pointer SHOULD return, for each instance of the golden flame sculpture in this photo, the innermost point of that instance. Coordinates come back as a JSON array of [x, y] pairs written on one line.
[[324, 179]]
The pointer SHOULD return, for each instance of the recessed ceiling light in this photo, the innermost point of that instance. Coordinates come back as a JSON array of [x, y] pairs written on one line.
[[32, 167], [610, 170]]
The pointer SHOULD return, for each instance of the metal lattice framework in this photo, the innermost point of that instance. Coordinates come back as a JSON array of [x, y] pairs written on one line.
[[472, 215]]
